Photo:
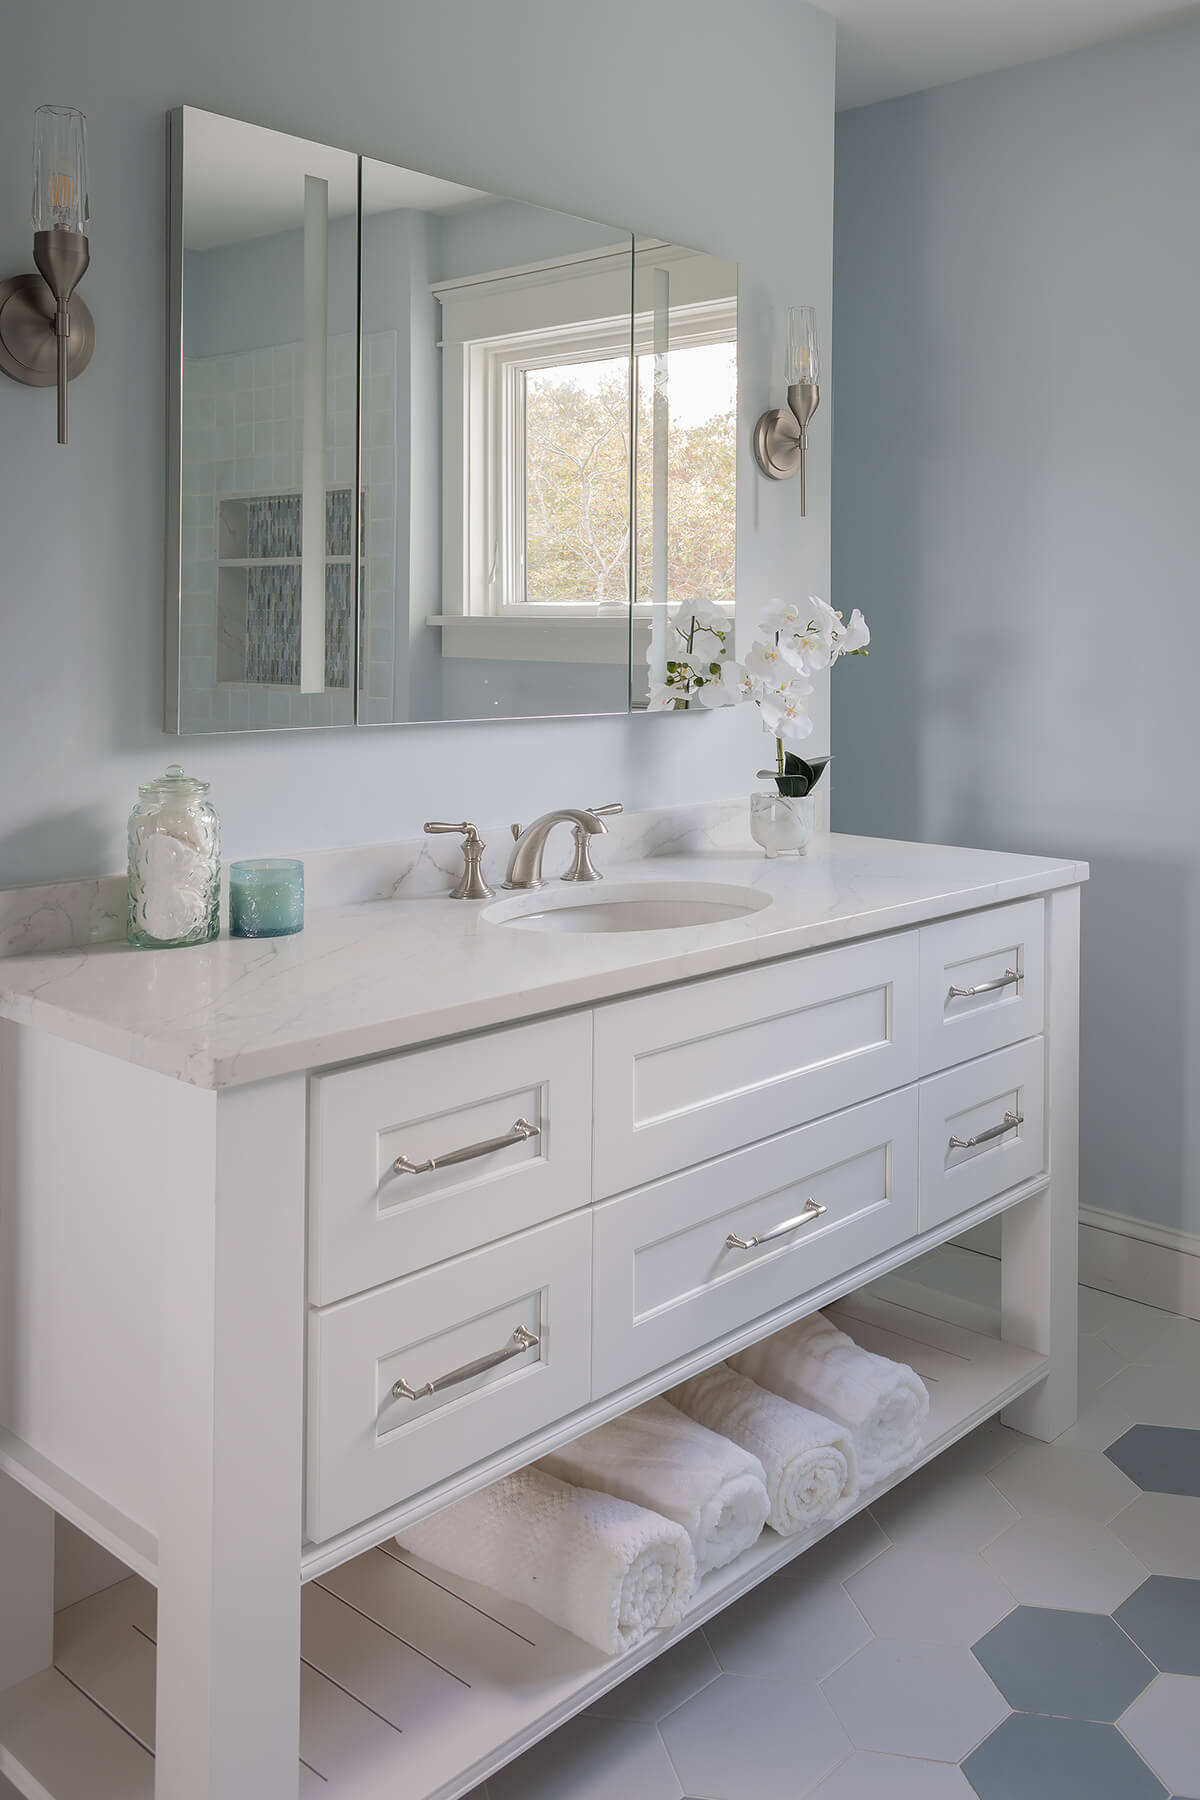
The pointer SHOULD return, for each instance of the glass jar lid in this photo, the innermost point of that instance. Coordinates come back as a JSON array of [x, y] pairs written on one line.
[[174, 784]]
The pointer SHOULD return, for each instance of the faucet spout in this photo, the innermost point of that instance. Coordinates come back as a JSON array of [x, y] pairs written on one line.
[[525, 864]]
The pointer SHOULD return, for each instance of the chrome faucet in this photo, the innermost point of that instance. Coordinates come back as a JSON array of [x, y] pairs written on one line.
[[525, 864]]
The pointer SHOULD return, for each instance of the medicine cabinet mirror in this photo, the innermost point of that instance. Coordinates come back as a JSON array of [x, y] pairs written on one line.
[[436, 454]]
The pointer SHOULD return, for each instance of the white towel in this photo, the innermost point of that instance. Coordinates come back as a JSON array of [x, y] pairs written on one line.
[[808, 1460], [814, 1364], [656, 1457], [608, 1571]]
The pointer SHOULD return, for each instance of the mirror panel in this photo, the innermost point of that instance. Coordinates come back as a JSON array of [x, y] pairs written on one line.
[[519, 418], [496, 455], [685, 380], [265, 259]]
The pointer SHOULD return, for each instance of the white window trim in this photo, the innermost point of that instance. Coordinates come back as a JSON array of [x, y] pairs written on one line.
[[494, 328]]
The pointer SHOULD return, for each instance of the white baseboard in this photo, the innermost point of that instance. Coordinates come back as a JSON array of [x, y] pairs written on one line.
[[1151, 1263]]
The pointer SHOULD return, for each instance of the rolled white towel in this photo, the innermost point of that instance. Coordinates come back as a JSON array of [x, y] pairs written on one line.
[[657, 1458], [814, 1364], [600, 1567], [809, 1461]]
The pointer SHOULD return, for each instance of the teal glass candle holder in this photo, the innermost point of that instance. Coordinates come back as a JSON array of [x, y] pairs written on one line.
[[266, 897]]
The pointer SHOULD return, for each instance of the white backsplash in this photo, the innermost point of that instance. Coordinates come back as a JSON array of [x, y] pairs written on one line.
[[70, 914]]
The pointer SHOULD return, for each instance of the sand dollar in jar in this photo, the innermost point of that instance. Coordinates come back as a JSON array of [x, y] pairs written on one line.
[[174, 864]]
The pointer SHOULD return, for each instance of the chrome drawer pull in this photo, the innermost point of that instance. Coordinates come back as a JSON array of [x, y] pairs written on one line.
[[812, 1211], [522, 1339], [1009, 978], [1011, 1121], [520, 1131]]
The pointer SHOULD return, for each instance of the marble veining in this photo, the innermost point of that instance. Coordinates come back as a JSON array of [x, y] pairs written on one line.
[[402, 966]]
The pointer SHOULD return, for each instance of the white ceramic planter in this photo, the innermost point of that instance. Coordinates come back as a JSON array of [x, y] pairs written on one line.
[[782, 823]]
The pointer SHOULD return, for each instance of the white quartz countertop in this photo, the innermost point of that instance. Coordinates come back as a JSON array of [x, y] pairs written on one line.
[[381, 975]]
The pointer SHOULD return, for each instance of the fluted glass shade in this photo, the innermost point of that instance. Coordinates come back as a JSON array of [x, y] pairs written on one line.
[[60, 174], [802, 360]]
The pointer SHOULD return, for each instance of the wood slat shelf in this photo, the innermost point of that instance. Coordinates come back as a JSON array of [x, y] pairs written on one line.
[[416, 1686]]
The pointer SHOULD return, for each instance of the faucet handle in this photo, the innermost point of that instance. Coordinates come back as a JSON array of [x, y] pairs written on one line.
[[472, 886], [582, 868], [604, 812]]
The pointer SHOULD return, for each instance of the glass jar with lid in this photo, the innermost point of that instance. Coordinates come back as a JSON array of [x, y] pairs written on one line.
[[174, 864]]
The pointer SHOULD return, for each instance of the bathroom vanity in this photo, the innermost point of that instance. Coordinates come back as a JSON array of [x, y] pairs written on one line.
[[303, 1239]]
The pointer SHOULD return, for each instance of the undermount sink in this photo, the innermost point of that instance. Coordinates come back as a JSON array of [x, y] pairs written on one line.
[[627, 906]]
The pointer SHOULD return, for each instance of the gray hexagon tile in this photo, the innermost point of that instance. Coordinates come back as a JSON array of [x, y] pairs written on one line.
[[865, 1776], [1073, 1665], [944, 1511], [928, 1700], [1162, 1459], [1163, 1725], [1051, 1478], [1030, 1758], [1053, 1559], [664, 1683], [742, 1739], [591, 1759], [1163, 1531], [929, 1596], [806, 1628], [1163, 1619]]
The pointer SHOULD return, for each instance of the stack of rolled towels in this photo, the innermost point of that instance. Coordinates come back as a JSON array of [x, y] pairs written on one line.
[[609, 1536]]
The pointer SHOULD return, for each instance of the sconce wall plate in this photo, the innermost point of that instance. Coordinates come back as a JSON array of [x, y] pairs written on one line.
[[781, 437], [28, 341]]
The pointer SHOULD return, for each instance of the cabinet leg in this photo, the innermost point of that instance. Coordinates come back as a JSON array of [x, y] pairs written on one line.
[[1039, 1292], [26, 1582], [229, 1539]]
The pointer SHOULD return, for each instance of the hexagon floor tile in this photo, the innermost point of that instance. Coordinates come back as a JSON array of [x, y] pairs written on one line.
[[1054, 1559], [805, 1629], [945, 1511], [930, 1596], [1163, 1531], [1074, 1665], [865, 1776], [1030, 1758], [1161, 1459], [591, 1759], [663, 1684], [742, 1739], [1163, 1619], [907, 1699], [1163, 1725], [1051, 1478]]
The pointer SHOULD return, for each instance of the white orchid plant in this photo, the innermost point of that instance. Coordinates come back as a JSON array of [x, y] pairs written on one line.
[[801, 638]]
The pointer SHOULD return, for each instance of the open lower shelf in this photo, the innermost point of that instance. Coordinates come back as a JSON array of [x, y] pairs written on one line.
[[416, 1686]]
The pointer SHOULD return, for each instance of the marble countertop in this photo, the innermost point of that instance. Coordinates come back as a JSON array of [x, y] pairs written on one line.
[[380, 975]]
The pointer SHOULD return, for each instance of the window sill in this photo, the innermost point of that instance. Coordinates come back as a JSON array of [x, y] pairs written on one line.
[[530, 636]]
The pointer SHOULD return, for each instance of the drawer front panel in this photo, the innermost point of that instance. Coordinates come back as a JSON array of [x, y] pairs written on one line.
[[369, 1447], [983, 951], [685, 1075], [667, 1281], [370, 1224], [972, 1103]]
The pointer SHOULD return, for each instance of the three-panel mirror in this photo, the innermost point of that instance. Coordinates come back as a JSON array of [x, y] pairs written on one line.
[[437, 454]]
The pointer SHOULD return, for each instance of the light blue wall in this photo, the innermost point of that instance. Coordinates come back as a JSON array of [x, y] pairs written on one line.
[[1016, 511], [523, 98]]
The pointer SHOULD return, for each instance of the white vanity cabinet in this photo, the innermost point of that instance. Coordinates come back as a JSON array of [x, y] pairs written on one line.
[[255, 1329]]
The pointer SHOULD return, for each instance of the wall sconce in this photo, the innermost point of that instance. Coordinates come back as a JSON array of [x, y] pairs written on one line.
[[781, 437], [46, 335]]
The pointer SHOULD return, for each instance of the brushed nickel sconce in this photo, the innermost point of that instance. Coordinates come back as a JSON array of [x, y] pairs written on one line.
[[781, 436], [47, 334]]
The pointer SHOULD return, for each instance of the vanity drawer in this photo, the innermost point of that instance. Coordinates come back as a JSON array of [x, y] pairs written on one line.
[[984, 951], [667, 1281], [973, 1102], [369, 1448], [369, 1224], [686, 1074]]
